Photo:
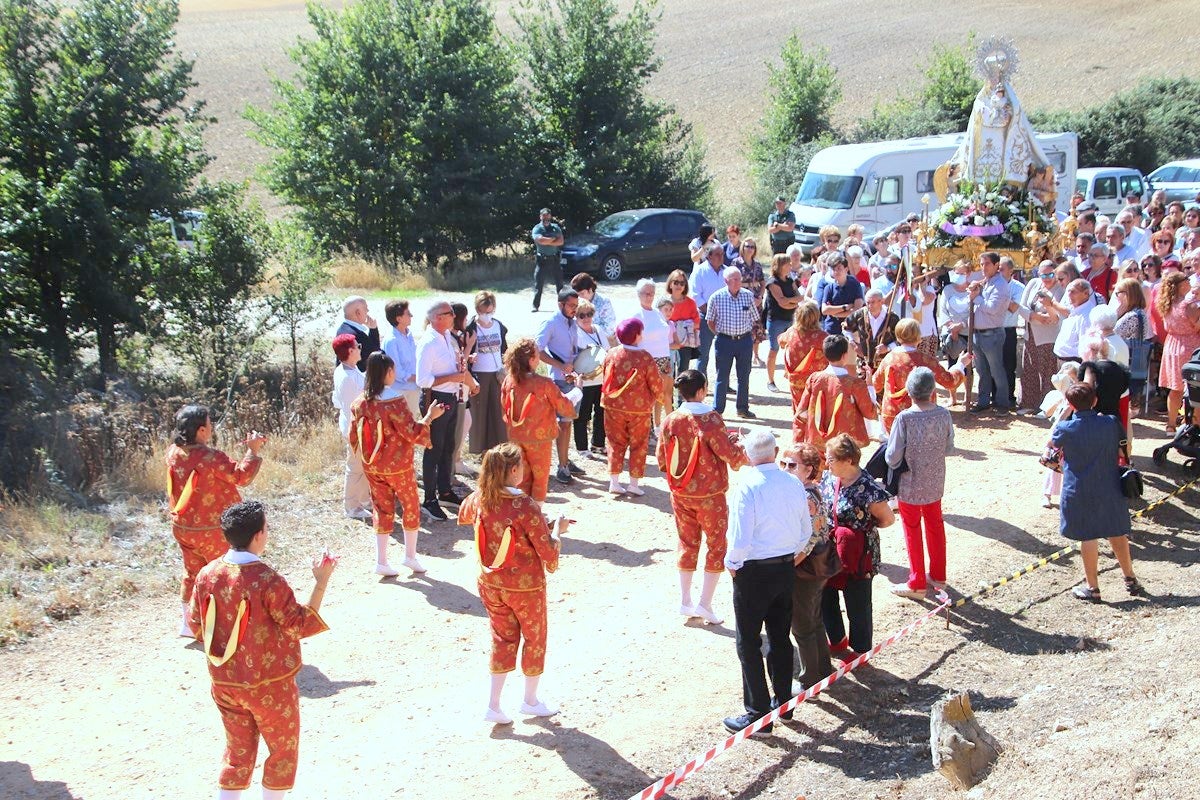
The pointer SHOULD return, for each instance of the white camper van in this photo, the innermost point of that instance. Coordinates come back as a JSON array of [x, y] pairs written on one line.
[[876, 184]]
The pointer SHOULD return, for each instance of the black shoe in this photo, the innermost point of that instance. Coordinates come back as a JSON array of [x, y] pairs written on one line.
[[563, 475], [450, 498], [747, 414], [785, 715], [735, 724], [574, 468], [979, 409], [434, 510]]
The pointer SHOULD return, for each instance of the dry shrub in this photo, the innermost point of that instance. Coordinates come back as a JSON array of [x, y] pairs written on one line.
[[487, 273], [352, 272], [301, 460]]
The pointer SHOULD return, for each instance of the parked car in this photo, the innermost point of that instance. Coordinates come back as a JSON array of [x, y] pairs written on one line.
[[641, 240], [1179, 179], [183, 226], [1108, 187]]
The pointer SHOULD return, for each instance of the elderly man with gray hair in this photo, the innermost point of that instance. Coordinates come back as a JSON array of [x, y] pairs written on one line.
[[361, 325], [731, 313], [769, 526], [873, 329], [440, 375], [921, 437]]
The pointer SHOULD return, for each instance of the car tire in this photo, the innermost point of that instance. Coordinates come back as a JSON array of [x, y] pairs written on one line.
[[612, 267]]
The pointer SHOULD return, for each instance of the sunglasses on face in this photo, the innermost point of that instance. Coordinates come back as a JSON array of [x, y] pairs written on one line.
[[789, 464], [584, 316]]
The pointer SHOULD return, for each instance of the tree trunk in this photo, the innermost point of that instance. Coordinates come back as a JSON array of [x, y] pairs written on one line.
[[961, 749]]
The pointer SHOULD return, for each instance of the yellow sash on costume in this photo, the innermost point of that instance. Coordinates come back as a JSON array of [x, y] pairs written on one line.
[[186, 495], [378, 441], [628, 383], [837, 406], [231, 646], [518, 422], [887, 384], [689, 469], [803, 363], [501, 554]]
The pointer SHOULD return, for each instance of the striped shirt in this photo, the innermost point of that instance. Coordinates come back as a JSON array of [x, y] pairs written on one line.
[[732, 315]]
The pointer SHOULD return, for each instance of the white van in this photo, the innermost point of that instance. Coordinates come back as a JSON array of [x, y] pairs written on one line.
[[1108, 187], [876, 184]]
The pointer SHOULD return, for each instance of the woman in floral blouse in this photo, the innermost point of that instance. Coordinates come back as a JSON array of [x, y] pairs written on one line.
[[858, 507], [754, 281]]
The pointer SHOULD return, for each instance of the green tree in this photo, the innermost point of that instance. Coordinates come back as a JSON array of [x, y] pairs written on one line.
[[297, 278], [403, 134], [951, 84], [801, 94], [216, 310], [97, 137], [602, 143]]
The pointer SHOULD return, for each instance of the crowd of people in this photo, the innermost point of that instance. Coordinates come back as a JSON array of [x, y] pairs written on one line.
[[860, 342]]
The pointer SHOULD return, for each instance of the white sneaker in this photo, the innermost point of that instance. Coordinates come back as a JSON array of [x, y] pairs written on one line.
[[540, 710], [414, 565], [185, 630], [386, 570], [688, 611], [902, 590], [637, 491], [708, 615], [616, 488], [361, 515], [497, 717]]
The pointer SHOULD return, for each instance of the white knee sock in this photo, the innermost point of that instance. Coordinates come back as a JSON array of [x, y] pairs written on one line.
[[229, 794], [685, 588], [273, 794], [381, 545], [410, 545], [709, 589]]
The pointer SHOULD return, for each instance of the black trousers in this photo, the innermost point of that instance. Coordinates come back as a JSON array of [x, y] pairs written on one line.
[[1010, 365], [589, 405], [858, 611], [546, 266], [812, 648], [762, 596], [437, 462]]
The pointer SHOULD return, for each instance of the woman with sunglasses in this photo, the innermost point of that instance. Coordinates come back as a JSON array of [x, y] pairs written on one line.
[[781, 301], [805, 463], [685, 314], [1042, 323], [1151, 271], [754, 282]]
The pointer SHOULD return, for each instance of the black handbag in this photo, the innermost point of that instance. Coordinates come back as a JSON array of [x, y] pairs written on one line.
[[1131, 479], [877, 467]]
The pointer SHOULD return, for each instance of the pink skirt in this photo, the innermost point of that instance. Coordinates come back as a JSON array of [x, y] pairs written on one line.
[[1176, 352]]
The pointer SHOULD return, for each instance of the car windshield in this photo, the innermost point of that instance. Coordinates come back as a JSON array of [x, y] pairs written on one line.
[[828, 191], [615, 225]]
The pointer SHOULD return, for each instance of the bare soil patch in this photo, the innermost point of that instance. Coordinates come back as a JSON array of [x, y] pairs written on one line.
[[115, 705]]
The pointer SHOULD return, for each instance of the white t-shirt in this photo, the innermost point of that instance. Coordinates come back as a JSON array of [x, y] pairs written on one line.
[[599, 337], [487, 348], [656, 334], [347, 386]]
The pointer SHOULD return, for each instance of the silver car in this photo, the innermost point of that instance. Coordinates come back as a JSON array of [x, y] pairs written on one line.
[[1180, 180]]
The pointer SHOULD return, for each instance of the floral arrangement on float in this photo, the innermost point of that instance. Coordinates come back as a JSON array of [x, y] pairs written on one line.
[[999, 214]]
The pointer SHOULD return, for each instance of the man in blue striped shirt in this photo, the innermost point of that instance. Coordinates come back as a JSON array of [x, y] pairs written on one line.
[[731, 312]]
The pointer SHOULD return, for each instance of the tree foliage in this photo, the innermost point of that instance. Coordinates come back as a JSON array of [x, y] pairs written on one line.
[[403, 134], [602, 143], [216, 313], [802, 94], [95, 137], [297, 279]]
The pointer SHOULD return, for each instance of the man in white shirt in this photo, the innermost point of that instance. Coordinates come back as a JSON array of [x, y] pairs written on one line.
[[1114, 236], [347, 386], [1136, 238], [1016, 291], [706, 280], [1080, 301], [440, 374], [769, 526]]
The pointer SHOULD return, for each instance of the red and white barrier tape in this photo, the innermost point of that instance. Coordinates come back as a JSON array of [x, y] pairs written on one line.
[[659, 788]]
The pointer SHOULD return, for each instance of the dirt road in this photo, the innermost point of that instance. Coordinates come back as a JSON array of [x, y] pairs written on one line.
[[117, 706]]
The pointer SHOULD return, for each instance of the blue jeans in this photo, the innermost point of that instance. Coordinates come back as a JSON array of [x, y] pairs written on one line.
[[989, 357], [774, 328], [736, 353], [706, 340]]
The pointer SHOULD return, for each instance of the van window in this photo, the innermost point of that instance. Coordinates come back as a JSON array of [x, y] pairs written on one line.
[[1165, 174], [1130, 184], [828, 191], [1187, 175], [1058, 160], [924, 181], [1081, 186], [889, 191], [1106, 189], [650, 228], [681, 227]]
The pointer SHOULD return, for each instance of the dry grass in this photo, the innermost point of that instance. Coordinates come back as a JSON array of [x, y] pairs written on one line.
[[300, 461], [56, 564], [351, 273]]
